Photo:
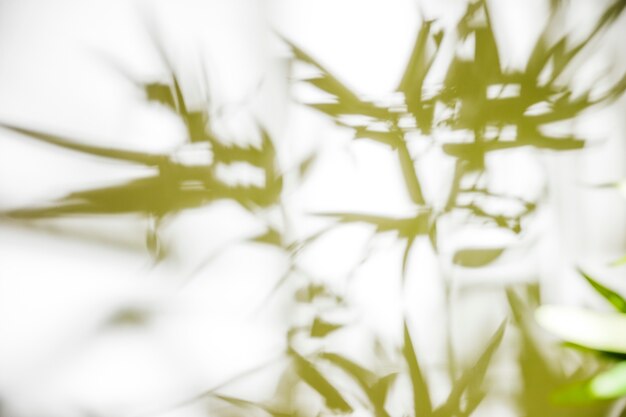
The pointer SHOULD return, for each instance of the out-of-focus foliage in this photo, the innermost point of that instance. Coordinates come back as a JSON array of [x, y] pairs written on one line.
[[545, 368], [603, 332], [175, 184], [341, 385], [479, 100]]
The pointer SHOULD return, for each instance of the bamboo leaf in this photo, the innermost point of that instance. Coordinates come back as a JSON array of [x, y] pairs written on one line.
[[416, 68], [609, 16], [388, 138], [406, 227], [347, 102], [410, 175], [405, 256], [611, 296], [421, 397], [470, 382], [475, 258], [413, 78], [313, 377], [374, 388], [326, 82], [160, 93], [76, 145], [270, 237], [321, 328], [363, 376], [380, 391]]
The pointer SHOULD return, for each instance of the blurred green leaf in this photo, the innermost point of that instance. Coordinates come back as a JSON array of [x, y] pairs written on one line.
[[413, 79], [321, 328], [154, 195], [592, 329], [391, 138], [313, 377], [380, 392], [410, 175], [475, 258], [406, 227], [346, 102], [270, 237], [375, 388], [607, 385], [422, 404], [76, 145], [467, 392], [544, 366], [160, 93], [611, 296]]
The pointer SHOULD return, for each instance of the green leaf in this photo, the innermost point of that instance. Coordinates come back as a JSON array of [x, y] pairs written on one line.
[[417, 67], [413, 78], [364, 377], [321, 328], [607, 385], [591, 329], [422, 404], [475, 258], [380, 391], [388, 138], [161, 93], [343, 108], [313, 378], [374, 388], [406, 227], [475, 151], [410, 175], [76, 145], [270, 237], [611, 296], [346, 101], [326, 81], [561, 57], [467, 392], [305, 166], [405, 257], [312, 292], [608, 17]]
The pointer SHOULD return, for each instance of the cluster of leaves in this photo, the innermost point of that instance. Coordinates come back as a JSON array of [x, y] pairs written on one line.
[[466, 104], [546, 369], [601, 333], [174, 185], [595, 331], [327, 382]]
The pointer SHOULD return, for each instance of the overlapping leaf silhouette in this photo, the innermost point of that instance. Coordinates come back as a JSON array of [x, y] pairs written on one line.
[[174, 186], [599, 332], [545, 369], [467, 94]]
